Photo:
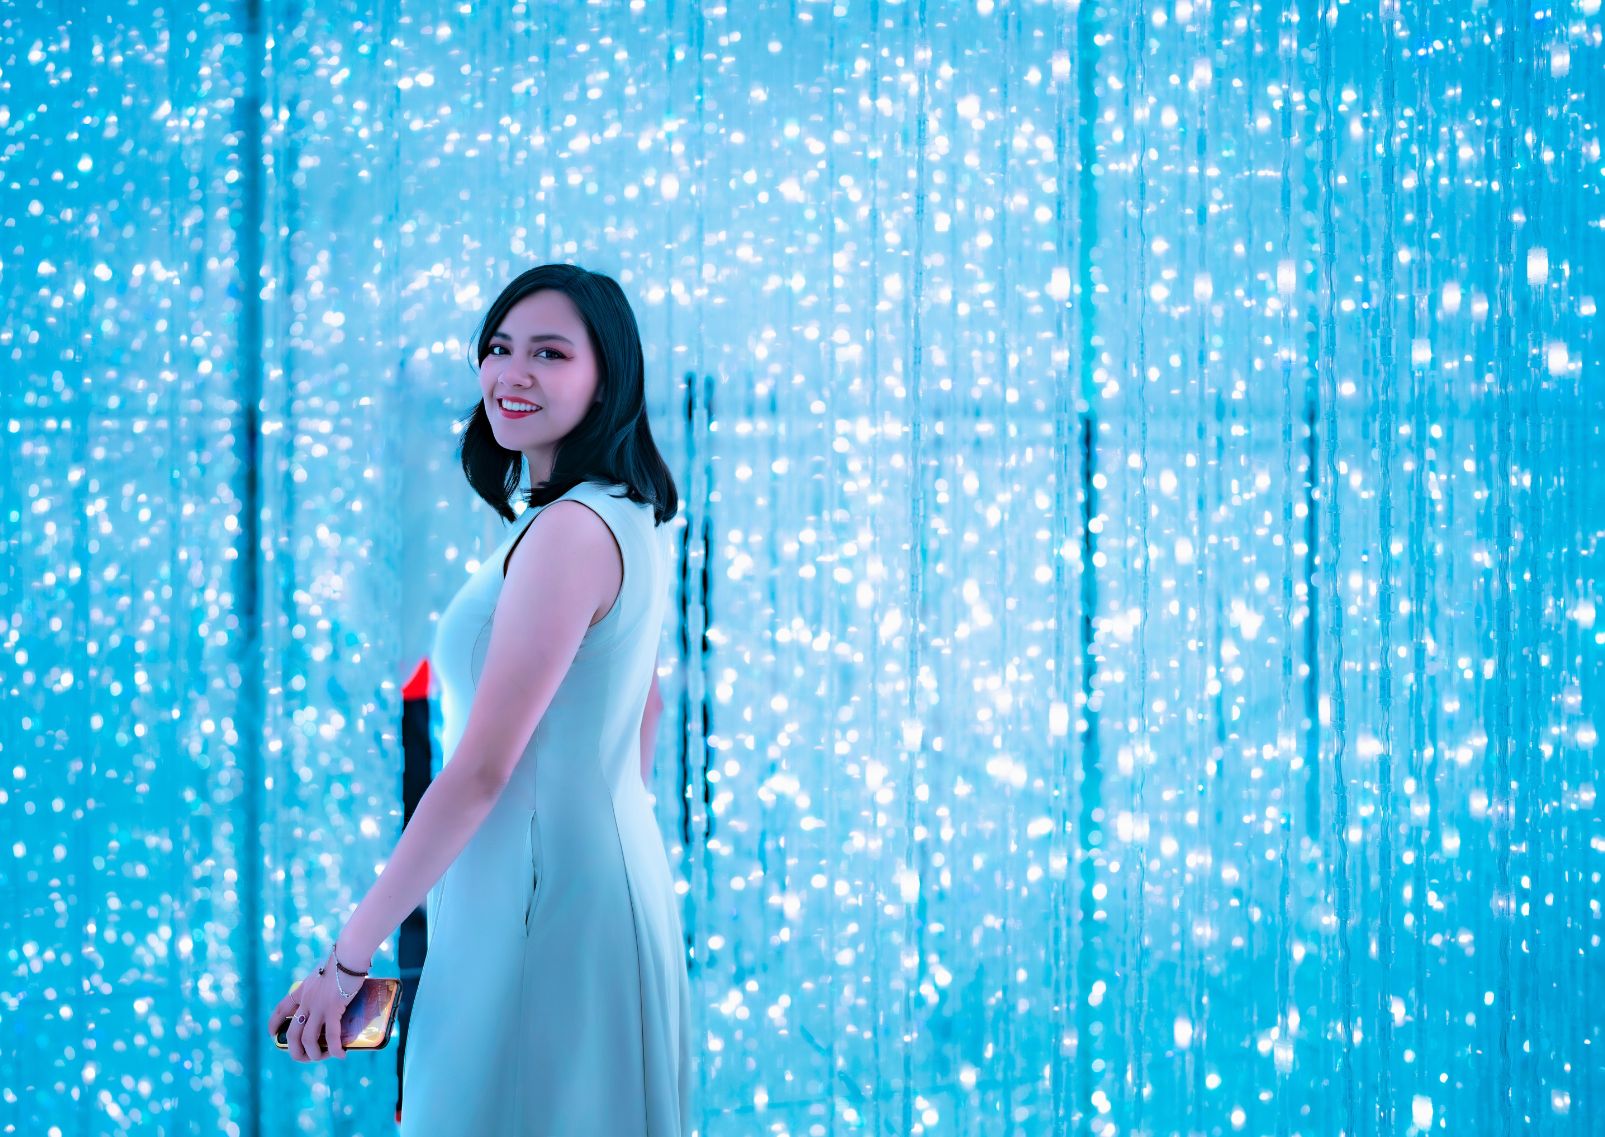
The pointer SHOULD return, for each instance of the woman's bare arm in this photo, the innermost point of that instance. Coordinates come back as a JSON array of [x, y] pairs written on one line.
[[452, 808], [531, 649]]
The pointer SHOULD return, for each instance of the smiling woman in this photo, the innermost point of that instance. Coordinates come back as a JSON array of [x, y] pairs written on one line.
[[531, 371], [560, 339], [554, 996]]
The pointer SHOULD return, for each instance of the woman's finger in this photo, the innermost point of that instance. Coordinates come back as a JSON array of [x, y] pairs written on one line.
[[336, 1043], [286, 1010], [281, 1013], [309, 1035]]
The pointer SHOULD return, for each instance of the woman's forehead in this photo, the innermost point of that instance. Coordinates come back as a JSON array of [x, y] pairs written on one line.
[[550, 305]]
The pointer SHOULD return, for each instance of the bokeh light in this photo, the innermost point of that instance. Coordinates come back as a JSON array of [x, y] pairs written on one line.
[[1134, 666]]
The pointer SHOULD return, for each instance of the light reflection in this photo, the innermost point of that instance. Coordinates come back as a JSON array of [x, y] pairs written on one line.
[[1147, 667]]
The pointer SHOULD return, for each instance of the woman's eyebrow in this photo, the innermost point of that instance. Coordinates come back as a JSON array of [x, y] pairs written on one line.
[[533, 339]]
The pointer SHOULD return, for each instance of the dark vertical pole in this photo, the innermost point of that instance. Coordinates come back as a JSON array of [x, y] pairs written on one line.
[[1090, 821], [417, 771], [248, 575]]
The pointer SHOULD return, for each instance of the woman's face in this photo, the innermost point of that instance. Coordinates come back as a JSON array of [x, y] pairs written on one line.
[[539, 355]]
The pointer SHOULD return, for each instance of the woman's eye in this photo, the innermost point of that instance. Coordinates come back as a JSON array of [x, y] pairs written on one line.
[[543, 351]]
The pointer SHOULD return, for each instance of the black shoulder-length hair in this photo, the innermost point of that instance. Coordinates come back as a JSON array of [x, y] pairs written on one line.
[[612, 443]]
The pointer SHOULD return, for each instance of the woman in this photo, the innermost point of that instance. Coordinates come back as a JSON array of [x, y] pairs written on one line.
[[554, 998]]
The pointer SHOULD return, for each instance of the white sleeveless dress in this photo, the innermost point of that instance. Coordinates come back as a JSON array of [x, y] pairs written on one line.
[[554, 998]]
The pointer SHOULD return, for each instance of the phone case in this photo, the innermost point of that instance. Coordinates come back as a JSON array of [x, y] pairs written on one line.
[[366, 1022]]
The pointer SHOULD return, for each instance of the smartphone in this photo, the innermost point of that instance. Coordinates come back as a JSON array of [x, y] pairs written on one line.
[[366, 1022]]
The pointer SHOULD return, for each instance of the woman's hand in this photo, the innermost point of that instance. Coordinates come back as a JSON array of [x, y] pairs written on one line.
[[319, 1000]]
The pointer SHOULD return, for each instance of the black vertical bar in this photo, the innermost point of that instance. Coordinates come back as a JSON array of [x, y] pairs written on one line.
[[417, 771], [1090, 821], [248, 573]]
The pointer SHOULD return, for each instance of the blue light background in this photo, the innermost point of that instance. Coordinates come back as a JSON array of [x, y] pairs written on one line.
[[1135, 665]]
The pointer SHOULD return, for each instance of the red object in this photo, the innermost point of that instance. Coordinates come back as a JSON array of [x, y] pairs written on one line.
[[418, 686]]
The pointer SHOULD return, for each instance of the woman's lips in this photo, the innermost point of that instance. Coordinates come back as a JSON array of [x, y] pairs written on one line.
[[513, 414]]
